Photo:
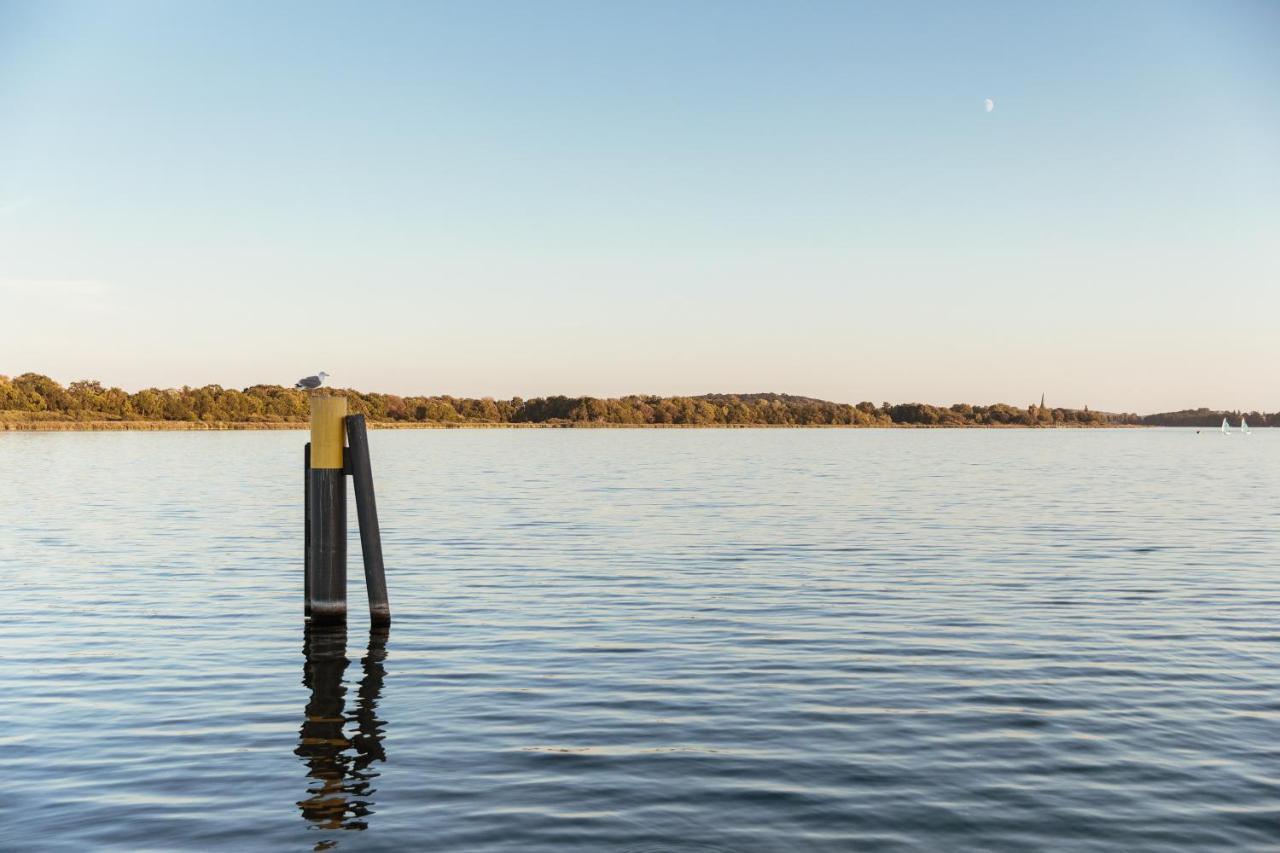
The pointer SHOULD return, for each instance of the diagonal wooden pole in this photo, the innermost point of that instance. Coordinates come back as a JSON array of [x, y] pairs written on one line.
[[367, 514]]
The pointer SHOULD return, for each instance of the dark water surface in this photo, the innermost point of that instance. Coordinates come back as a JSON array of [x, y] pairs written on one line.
[[649, 641]]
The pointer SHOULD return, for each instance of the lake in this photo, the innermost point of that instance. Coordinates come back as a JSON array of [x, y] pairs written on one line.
[[649, 640]]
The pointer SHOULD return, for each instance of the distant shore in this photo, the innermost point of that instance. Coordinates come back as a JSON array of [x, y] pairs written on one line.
[[34, 402], [226, 426]]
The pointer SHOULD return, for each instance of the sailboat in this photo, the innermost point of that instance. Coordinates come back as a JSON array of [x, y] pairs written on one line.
[[1244, 427], [1225, 430]]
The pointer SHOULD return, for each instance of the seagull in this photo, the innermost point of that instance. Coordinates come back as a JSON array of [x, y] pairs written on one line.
[[312, 382]]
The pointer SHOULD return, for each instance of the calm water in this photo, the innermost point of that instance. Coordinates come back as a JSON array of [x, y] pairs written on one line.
[[650, 641]]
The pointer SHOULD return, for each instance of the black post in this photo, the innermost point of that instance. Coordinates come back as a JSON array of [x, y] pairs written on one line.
[[306, 530], [328, 544], [367, 513], [328, 498]]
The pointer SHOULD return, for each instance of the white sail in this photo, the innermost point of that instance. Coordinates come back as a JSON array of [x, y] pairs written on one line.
[[1244, 427], [1225, 431]]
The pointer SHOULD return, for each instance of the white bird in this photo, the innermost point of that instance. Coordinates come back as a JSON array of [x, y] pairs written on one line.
[[312, 382]]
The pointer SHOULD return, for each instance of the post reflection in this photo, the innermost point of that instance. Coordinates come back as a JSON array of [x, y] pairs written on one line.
[[339, 763]]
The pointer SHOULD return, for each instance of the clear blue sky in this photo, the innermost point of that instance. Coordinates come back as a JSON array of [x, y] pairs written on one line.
[[604, 198]]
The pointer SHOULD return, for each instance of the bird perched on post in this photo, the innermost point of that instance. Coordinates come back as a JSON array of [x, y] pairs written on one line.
[[310, 383]]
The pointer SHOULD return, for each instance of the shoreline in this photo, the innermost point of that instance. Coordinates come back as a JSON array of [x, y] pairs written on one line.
[[227, 426]]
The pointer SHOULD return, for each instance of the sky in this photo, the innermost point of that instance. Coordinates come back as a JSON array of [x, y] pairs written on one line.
[[509, 198]]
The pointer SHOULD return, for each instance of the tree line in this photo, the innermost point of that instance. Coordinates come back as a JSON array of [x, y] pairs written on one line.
[[1210, 418], [33, 396]]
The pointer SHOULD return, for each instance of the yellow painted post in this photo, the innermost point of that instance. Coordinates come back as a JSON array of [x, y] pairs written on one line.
[[327, 585], [328, 431]]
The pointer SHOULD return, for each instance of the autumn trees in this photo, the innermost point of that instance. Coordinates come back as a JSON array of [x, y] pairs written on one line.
[[34, 396]]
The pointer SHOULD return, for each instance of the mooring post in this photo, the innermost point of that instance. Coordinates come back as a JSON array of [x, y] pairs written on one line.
[[375, 579], [306, 530], [327, 589]]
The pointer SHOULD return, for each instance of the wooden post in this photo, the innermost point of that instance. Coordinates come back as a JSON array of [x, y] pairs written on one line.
[[375, 579], [306, 530], [328, 584]]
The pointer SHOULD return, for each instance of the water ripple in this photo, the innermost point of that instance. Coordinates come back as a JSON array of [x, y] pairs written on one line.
[[646, 642]]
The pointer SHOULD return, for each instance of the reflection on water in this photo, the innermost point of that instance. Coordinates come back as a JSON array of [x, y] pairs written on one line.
[[340, 764]]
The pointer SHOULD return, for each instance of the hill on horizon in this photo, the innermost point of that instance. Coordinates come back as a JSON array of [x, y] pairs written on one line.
[[764, 397]]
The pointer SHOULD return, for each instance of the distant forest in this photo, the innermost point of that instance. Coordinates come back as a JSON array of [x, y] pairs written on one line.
[[33, 397]]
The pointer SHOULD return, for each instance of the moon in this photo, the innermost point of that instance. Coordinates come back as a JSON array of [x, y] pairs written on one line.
[[989, 105]]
